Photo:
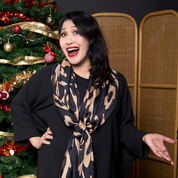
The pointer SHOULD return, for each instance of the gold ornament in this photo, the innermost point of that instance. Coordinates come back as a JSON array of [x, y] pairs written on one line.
[[8, 47], [50, 20]]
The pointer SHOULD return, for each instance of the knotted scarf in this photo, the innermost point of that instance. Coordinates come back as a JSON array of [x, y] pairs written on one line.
[[86, 116]]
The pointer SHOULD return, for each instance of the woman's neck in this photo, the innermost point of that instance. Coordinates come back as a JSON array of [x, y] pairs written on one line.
[[83, 70]]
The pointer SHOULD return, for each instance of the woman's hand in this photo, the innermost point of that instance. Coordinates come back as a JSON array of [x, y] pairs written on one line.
[[156, 144], [37, 142]]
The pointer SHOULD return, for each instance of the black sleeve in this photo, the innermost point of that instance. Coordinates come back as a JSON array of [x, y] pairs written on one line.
[[130, 137], [21, 108]]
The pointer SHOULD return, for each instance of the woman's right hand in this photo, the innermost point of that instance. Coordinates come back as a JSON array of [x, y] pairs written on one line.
[[37, 142]]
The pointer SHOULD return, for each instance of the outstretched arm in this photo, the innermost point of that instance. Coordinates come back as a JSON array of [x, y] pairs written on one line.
[[156, 144]]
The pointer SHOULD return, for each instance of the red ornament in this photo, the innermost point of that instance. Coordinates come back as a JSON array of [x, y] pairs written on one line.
[[49, 57], [17, 29], [4, 95]]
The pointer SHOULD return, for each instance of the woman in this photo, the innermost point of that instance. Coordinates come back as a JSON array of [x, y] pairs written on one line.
[[78, 113]]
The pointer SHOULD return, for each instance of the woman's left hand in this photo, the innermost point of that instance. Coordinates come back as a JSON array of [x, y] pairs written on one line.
[[156, 144]]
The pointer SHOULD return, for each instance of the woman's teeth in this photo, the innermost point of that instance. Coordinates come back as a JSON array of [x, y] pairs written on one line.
[[72, 51]]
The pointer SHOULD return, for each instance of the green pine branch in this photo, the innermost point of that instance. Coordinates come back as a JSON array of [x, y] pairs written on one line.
[[19, 164], [35, 12]]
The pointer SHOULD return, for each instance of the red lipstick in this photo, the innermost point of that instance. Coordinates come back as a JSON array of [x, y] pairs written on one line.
[[72, 51]]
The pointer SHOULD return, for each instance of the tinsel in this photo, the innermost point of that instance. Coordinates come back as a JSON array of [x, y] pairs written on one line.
[[18, 79], [6, 17]]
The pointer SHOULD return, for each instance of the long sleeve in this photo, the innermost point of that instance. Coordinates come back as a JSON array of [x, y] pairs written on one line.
[[130, 137], [29, 98]]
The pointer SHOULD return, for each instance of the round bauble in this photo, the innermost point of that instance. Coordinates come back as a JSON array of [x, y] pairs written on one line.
[[4, 95], [8, 47], [50, 20], [49, 57], [17, 29]]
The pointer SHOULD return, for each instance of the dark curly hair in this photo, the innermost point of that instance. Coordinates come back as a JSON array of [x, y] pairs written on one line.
[[98, 53]]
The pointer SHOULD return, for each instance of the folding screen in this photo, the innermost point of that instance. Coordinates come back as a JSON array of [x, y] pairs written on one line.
[[121, 35], [157, 87]]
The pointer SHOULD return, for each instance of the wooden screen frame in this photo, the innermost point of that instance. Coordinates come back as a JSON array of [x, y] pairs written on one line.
[[140, 85]]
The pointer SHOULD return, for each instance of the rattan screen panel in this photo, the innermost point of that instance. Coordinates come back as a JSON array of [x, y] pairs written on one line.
[[157, 86], [160, 44], [121, 34], [157, 111]]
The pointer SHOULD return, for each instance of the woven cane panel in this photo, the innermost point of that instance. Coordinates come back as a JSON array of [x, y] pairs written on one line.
[[157, 112], [154, 169], [119, 33], [159, 49]]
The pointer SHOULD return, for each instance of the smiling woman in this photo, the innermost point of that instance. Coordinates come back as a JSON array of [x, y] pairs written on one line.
[[75, 48], [87, 32], [78, 112]]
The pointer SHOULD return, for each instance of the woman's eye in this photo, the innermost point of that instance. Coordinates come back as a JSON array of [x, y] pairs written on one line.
[[63, 34], [75, 32]]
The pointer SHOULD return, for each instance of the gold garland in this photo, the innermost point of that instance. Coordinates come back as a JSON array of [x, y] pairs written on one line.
[[36, 27], [5, 134], [28, 176], [16, 80], [27, 60]]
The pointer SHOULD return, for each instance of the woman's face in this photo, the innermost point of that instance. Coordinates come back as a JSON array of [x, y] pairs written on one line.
[[74, 46]]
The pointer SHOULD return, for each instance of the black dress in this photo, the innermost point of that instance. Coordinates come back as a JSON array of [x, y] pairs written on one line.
[[116, 144]]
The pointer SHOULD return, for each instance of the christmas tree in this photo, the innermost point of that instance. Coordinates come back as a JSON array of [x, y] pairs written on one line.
[[28, 42]]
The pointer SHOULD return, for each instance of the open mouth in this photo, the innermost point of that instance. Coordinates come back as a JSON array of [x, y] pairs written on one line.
[[72, 51]]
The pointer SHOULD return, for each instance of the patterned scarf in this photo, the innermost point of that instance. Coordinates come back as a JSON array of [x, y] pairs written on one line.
[[98, 103]]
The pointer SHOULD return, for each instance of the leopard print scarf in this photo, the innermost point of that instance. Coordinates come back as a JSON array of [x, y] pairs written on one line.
[[98, 103]]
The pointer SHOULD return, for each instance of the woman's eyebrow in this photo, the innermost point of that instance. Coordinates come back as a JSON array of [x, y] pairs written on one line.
[[70, 27]]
